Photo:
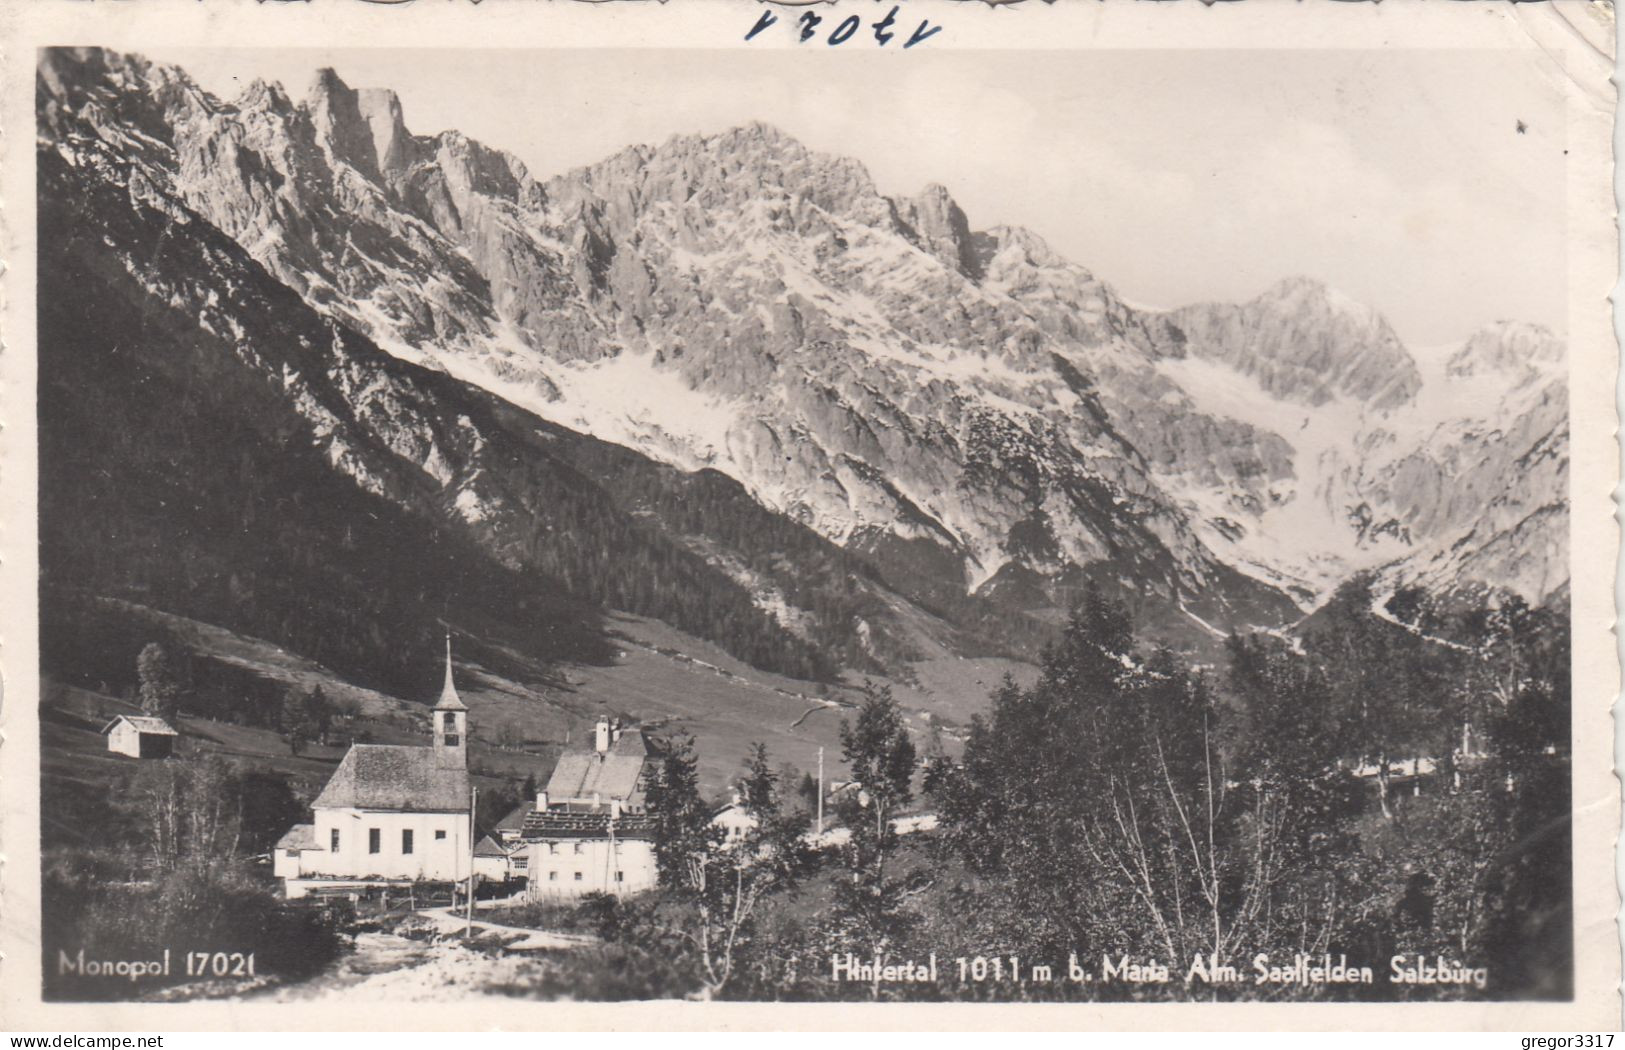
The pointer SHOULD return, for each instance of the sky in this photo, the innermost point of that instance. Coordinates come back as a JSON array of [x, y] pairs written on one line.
[[1398, 177]]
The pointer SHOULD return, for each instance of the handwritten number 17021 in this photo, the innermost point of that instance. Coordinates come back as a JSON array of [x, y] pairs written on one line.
[[848, 27]]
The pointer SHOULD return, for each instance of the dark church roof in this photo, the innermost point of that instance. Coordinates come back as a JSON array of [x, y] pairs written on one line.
[[396, 777]]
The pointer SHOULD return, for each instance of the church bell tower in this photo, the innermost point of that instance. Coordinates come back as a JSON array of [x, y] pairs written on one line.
[[449, 721]]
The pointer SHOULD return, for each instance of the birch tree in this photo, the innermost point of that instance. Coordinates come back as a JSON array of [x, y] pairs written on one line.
[[718, 887]]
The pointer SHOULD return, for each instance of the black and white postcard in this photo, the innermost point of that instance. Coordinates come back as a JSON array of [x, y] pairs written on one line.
[[545, 511]]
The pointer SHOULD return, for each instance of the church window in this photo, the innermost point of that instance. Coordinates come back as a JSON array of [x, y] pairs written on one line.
[[552, 876], [578, 876], [449, 720], [333, 840], [375, 842], [439, 834], [406, 840], [619, 876]]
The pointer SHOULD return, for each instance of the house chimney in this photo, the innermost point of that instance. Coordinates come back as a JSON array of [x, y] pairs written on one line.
[[615, 731], [603, 741], [541, 799]]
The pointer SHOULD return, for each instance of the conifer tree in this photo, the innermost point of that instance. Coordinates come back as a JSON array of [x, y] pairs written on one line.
[[684, 838], [869, 903], [297, 725], [159, 681], [717, 886]]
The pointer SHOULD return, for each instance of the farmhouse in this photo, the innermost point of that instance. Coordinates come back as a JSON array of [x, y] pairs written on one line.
[[735, 821], [493, 861], [140, 736], [590, 831], [503, 855], [389, 813]]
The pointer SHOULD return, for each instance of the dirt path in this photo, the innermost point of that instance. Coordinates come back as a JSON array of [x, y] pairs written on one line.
[[525, 939], [387, 967]]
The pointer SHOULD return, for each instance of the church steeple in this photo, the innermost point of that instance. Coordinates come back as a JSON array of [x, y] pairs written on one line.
[[449, 720], [449, 700]]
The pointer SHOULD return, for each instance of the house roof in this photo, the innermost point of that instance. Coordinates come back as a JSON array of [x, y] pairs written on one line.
[[395, 777], [632, 742], [487, 847], [561, 824], [516, 816], [300, 836], [143, 724], [616, 773]]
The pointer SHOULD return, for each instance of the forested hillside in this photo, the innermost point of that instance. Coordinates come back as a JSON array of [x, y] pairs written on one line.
[[176, 470]]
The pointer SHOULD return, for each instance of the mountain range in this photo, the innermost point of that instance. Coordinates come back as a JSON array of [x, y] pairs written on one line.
[[727, 382]]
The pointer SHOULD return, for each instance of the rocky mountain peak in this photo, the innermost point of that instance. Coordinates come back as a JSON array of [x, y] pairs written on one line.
[[762, 131], [117, 92], [263, 94], [362, 128], [1505, 346], [1304, 297], [1033, 249], [325, 84], [1304, 341], [746, 145], [937, 225], [392, 144], [752, 167], [871, 366], [1305, 289]]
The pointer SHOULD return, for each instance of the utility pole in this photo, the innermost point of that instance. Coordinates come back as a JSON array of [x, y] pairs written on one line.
[[473, 808], [820, 792]]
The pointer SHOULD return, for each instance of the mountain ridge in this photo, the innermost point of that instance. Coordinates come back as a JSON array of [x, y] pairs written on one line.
[[963, 407]]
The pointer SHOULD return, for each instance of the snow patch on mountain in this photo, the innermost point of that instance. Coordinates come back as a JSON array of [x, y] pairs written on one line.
[[958, 401]]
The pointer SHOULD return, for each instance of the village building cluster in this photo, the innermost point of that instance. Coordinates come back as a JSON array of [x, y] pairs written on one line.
[[394, 814], [397, 815]]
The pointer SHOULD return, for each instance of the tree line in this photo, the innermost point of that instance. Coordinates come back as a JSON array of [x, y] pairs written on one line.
[[1394, 781], [177, 477]]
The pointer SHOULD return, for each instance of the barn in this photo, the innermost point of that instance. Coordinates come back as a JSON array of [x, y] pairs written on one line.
[[140, 736]]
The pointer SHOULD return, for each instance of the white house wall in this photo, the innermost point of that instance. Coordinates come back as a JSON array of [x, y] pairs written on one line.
[[553, 867], [494, 868], [125, 739], [431, 858]]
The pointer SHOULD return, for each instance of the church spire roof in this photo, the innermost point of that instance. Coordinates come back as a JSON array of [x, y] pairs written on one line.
[[449, 700]]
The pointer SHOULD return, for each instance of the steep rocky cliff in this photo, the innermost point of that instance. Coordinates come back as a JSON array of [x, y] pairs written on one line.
[[962, 410]]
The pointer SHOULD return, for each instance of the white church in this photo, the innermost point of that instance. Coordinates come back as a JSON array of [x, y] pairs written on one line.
[[390, 813]]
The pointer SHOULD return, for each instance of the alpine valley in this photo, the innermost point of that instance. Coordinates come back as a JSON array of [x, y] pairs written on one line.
[[309, 377]]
